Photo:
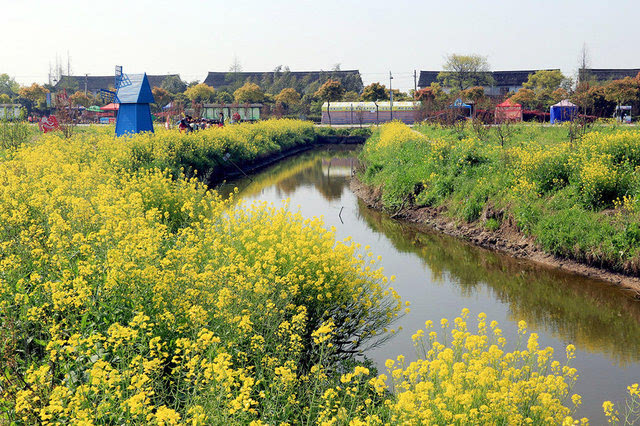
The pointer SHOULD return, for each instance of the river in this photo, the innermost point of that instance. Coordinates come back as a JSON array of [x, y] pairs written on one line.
[[440, 275]]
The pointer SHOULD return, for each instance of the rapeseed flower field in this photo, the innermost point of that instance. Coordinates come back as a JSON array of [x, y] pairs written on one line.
[[578, 199], [132, 294]]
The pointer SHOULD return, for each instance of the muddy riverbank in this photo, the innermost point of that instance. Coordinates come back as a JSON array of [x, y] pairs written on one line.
[[506, 239]]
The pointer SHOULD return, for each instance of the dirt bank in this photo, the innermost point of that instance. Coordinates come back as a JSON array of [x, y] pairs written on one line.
[[506, 239]]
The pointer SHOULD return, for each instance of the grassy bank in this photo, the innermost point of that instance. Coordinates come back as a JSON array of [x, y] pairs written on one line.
[[578, 200], [130, 294]]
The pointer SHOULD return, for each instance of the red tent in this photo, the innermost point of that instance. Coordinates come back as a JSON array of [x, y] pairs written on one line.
[[508, 111], [110, 107]]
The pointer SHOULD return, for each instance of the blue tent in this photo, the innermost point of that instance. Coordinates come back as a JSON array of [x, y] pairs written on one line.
[[458, 104], [134, 115], [563, 111]]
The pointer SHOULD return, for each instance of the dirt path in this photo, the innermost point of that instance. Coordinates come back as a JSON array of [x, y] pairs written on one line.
[[506, 239]]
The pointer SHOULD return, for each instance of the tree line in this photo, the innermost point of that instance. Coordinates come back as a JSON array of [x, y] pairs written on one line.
[[284, 94]]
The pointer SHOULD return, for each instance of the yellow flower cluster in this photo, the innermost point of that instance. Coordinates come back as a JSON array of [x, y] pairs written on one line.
[[460, 378], [629, 412], [243, 142], [602, 165], [473, 380], [129, 296], [394, 134]]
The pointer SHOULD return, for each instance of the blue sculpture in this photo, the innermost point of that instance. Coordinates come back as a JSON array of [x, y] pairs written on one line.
[[134, 95]]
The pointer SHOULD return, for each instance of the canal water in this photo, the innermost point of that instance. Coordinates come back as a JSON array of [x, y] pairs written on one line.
[[440, 275]]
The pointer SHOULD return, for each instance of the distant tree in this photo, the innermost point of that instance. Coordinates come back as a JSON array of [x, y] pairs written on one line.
[[180, 99], [375, 92], [548, 86], [235, 66], [288, 97], [173, 84], [330, 91], [249, 93], [281, 80], [559, 94], [525, 97], [161, 96], [581, 96], [313, 87], [623, 91], [601, 106], [351, 96], [192, 83], [200, 93], [584, 65], [308, 104], [81, 98], [5, 99], [425, 95], [463, 71], [432, 98], [8, 85], [545, 80], [287, 101], [400, 96], [35, 93], [269, 99], [223, 97], [475, 94]]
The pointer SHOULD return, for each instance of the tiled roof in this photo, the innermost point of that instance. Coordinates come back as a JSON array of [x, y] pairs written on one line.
[[501, 78], [217, 79], [97, 82], [604, 74]]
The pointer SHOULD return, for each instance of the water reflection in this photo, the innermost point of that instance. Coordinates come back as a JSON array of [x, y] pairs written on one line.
[[591, 314], [329, 175], [439, 275]]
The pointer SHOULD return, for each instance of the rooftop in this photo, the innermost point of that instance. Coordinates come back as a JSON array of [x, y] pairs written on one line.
[[218, 79], [605, 74], [501, 78], [96, 82]]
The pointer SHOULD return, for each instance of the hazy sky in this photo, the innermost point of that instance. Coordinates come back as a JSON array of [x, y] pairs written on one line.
[[192, 37]]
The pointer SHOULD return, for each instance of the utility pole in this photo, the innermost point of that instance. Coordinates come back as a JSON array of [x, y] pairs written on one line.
[[86, 77], [415, 83], [390, 96]]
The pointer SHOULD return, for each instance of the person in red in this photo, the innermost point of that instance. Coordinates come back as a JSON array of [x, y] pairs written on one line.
[[183, 125], [236, 117]]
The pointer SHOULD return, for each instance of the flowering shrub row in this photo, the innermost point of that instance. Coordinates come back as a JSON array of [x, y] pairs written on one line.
[[132, 296], [560, 192]]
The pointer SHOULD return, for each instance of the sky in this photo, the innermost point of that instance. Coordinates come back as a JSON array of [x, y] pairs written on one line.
[[375, 37]]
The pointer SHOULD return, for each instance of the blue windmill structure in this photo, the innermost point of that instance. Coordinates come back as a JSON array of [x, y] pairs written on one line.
[[120, 80], [133, 93]]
